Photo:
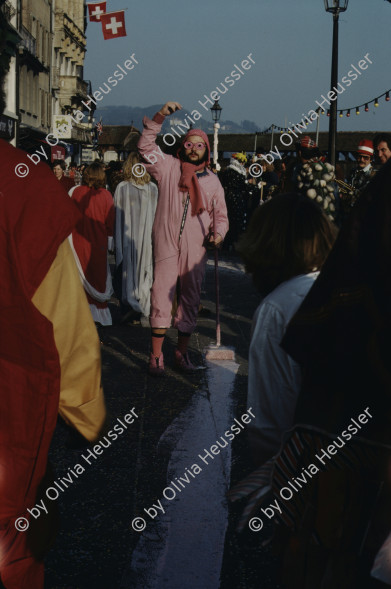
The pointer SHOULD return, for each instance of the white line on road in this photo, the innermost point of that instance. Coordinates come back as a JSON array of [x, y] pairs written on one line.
[[184, 546]]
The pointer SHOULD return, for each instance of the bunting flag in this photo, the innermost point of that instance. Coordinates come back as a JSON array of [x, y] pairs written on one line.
[[95, 10], [113, 24], [364, 105]]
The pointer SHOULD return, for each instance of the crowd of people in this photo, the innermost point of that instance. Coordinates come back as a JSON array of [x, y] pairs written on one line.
[[318, 248], [318, 359], [160, 262], [308, 173], [284, 224]]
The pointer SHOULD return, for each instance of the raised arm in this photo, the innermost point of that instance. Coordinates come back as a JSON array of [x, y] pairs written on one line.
[[147, 142]]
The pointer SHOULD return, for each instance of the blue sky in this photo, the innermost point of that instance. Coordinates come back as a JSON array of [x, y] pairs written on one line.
[[185, 49]]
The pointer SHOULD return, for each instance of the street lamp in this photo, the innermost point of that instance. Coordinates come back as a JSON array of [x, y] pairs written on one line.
[[335, 7], [216, 114]]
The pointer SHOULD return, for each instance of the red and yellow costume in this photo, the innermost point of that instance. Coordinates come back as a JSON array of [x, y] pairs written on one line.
[[49, 355]]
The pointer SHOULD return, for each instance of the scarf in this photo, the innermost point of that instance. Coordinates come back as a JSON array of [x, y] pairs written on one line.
[[188, 181]]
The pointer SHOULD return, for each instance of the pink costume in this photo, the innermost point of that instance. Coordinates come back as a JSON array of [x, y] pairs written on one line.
[[185, 259]]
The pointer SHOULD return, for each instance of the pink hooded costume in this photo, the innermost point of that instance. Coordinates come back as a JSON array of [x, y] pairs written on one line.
[[184, 258]]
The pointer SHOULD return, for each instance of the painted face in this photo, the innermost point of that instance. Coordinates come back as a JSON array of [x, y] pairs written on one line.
[[383, 152], [362, 160], [194, 154], [58, 172]]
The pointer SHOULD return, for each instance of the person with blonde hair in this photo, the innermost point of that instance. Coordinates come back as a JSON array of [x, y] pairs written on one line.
[[135, 201], [91, 238]]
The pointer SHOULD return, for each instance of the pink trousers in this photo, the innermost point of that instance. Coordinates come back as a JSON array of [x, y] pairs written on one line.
[[188, 265]]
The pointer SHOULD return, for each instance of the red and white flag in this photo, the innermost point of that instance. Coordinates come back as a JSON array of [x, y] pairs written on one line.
[[95, 10], [113, 24]]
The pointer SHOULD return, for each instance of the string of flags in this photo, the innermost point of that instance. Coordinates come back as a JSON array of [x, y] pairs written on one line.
[[113, 23], [375, 101]]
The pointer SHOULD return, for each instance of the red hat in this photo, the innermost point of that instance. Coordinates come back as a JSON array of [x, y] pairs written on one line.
[[306, 141], [365, 147], [200, 133]]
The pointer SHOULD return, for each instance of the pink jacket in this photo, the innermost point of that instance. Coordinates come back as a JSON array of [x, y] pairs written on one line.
[[169, 210]]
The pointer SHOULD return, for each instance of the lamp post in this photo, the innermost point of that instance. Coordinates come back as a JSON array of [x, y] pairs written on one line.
[[318, 110], [216, 113], [335, 7]]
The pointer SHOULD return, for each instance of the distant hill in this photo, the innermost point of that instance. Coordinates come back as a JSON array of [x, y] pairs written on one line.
[[124, 115]]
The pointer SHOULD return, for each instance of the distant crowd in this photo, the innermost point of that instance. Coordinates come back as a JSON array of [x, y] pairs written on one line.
[[335, 190], [317, 245], [246, 188]]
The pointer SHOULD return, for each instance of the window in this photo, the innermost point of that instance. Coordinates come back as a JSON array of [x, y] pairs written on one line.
[[42, 108]]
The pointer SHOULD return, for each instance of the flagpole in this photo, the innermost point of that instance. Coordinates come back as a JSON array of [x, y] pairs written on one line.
[[111, 12]]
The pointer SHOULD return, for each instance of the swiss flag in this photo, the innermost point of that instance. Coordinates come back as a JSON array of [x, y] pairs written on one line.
[[113, 24], [95, 10], [58, 153]]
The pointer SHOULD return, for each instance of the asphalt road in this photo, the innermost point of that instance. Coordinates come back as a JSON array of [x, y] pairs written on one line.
[[193, 544]]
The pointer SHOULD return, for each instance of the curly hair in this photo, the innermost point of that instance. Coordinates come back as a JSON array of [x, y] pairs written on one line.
[[287, 236]]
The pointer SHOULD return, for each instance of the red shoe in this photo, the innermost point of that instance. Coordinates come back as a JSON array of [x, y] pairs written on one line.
[[156, 365], [182, 362]]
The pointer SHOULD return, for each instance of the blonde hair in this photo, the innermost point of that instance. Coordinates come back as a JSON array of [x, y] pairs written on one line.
[[133, 159]]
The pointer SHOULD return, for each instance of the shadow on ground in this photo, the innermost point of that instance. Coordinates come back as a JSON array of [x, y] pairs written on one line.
[[96, 539]]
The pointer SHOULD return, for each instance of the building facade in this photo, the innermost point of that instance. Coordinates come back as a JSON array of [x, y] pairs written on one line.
[[34, 62], [9, 119], [69, 87], [45, 81]]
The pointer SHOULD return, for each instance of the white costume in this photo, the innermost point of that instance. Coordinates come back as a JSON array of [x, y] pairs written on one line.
[[135, 207], [274, 379]]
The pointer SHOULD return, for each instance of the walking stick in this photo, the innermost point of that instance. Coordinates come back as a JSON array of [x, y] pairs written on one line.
[[217, 351], [217, 285]]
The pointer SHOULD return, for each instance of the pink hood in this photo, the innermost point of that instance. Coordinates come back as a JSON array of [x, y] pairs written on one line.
[[200, 133]]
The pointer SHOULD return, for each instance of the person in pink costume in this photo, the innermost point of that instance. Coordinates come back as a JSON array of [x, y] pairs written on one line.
[[182, 228]]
